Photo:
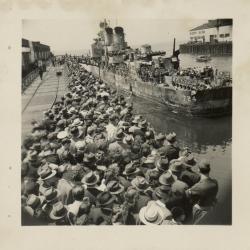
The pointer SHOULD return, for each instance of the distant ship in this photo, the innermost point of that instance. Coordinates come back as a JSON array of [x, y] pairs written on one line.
[[152, 75], [203, 58]]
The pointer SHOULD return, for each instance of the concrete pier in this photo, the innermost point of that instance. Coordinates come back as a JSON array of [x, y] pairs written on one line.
[[40, 96]]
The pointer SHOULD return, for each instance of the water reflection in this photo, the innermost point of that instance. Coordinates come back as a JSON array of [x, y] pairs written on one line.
[[196, 133]]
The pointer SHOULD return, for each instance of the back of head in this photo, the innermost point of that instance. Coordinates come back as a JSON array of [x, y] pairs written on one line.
[[78, 193], [204, 166]]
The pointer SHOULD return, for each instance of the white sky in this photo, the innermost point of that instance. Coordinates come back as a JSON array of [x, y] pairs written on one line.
[[77, 34]]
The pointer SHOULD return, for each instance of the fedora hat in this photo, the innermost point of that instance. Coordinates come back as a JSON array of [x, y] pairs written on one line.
[[63, 134], [80, 145], [189, 161], [51, 194], [114, 187], [131, 169], [136, 120], [89, 158], [160, 137], [119, 135], [203, 165], [33, 201], [176, 167], [162, 164], [58, 211], [151, 214], [150, 160], [161, 192], [33, 157], [104, 199], [140, 183], [46, 173], [131, 195], [36, 147], [128, 139], [77, 122], [90, 179], [61, 123], [167, 178], [143, 124], [171, 137]]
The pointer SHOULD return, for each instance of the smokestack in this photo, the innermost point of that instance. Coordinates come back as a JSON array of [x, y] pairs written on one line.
[[174, 47]]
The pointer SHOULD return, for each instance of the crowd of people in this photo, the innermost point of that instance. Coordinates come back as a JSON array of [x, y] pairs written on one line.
[[200, 79], [90, 161], [119, 69]]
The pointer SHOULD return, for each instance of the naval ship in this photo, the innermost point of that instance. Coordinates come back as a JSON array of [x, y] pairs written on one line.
[[157, 77]]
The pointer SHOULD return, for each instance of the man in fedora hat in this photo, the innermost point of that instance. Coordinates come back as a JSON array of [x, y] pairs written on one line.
[[32, 162], [34, 209], [142, 186], [203, 192], [170, 198], [188, 175], [132, 170], [103, 213], [116, 189], [90, 181], [89, 162], [159, 140], [82, 217], [78, 195], [170, 150], [112, 127], [50, 197], [47, 178], [151, 214], [178, 186], [58, 214], [117, 146]]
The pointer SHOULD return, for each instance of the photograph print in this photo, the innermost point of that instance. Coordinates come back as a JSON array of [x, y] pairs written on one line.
[[126, 122]]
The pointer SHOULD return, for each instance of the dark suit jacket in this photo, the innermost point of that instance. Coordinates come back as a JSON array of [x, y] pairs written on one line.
[[170, 151], [98, 216], [92, 194]]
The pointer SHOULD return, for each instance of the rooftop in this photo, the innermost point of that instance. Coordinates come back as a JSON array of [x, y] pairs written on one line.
[[214, 23]]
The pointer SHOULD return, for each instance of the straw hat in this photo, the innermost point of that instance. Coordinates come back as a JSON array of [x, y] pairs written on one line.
[[151, 214]]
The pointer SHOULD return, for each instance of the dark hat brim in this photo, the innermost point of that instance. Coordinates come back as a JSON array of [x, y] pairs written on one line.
[[54, 217], [135, 172], [112, 198]]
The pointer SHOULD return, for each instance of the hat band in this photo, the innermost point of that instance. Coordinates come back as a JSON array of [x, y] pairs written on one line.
[[115, 188], [45, 175], [60, 212], [51, 196], [130, 171], [152, 219]]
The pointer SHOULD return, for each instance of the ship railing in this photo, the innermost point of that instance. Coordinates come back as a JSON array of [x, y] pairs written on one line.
[[27, 80]]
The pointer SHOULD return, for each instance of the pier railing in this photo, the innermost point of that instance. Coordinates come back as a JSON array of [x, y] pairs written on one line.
[[28, 79]]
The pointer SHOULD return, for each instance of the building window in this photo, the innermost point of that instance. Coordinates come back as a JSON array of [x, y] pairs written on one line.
[[227, 35], [221, 35]]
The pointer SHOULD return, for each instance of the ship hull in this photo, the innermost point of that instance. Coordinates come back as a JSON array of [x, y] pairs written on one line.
[[207, 103]]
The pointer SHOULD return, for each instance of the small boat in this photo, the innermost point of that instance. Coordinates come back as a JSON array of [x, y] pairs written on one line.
[[203, 58]]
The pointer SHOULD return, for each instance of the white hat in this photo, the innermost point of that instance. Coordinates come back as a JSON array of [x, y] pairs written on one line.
[[151, 214], [62, 135]]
